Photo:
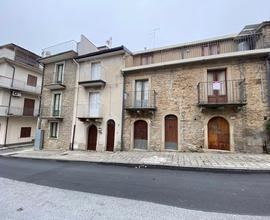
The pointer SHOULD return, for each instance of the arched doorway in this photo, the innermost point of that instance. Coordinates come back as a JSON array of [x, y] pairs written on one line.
[[92, 138], [218, 134], [171, 132], [110, 135], [140, 134]]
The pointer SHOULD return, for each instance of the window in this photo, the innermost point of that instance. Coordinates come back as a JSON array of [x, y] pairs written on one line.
[[141, 93], [94, 104], [28, 107], [95, 71], [210, 49], [32, 80], [146, 59], [56, 104], [53, 129], [216, 82], [59, 73], [25, 132]]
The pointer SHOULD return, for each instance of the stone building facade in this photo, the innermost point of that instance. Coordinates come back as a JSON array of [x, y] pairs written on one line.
[[199, 96]]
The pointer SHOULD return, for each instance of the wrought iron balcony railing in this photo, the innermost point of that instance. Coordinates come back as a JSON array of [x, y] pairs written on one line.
[[140, 100], [229, 92]]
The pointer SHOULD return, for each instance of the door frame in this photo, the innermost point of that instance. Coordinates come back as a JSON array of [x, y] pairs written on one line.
[[106, 137], [87, 136], [132, 134], [231, 129], [179, 146]]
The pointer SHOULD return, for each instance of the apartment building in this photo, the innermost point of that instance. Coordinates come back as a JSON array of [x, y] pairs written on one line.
[[20, 88], [59, 91], [99, 102], [204, 95]]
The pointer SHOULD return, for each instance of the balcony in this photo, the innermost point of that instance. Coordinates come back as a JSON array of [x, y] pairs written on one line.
[[18, 111], [221, 93], [54, 84], [54, 114], [140, 101], [19, 85], [92, 82], [87, 114], [60, 48]]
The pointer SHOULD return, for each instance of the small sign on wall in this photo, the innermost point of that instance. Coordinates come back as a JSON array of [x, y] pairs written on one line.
[[216, 85]]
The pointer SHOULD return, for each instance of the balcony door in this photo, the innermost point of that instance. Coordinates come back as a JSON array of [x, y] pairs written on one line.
[[94, 104], [141, 93], [216, 86], [56, 104], [28, 107], [59, 73]]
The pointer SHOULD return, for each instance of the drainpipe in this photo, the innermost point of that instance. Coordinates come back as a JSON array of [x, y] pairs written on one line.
[[9, 102], [268, 79], [40, 100], [123, 109], [74, 120]]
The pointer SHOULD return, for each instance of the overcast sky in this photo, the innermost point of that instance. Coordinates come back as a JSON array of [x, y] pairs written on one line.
[[37, 24]]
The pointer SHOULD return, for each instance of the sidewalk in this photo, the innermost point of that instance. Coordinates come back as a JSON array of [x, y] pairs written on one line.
[[172, 160]]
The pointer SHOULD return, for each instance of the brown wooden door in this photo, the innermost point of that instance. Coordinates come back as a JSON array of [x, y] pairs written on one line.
[[217, 86], [110, 135], [92, 138], [28, 107], [218, 134], [140, 134], [171, 132]]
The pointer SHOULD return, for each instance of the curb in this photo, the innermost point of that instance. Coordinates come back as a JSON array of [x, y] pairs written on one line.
[[150, 166]]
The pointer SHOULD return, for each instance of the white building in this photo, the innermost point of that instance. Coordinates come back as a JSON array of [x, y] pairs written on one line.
[[20, 88]]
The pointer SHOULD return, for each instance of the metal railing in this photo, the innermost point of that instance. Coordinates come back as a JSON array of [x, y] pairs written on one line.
[[140, 99], [26, 60], [87, 76], [6, 82], [86, 111], [18, 111], [222, 92], [59, 48], [55, 112]]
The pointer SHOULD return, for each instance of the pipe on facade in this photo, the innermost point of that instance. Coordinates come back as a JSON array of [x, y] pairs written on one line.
[[123, 109], [75, 105], [268, 79], [40, 100], [9, 102]]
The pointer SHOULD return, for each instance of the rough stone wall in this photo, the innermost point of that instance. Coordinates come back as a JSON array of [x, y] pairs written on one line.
[[176, 93], [65, 126]]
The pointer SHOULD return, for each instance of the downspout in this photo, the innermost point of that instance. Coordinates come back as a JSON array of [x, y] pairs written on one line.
[[9, 102], [40, 100], [268, 79], [74, 120], [123, 109]]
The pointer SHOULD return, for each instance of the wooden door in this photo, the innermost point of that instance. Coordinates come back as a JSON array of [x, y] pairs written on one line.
[[92, 138], [110, 135], [217, 86], [218, 134], [28, 107], [171, 132], [140, 134]]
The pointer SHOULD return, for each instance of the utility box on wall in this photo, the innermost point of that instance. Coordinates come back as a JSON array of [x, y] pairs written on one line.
[[38, 145]]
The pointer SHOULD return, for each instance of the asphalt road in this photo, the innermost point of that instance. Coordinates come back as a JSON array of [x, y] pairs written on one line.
[[234, 193]]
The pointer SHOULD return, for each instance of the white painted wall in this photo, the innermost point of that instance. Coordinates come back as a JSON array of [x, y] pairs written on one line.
[[10, 54], [111, 100]]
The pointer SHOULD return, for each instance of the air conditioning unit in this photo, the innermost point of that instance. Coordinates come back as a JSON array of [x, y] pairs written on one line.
[[16, 94]]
